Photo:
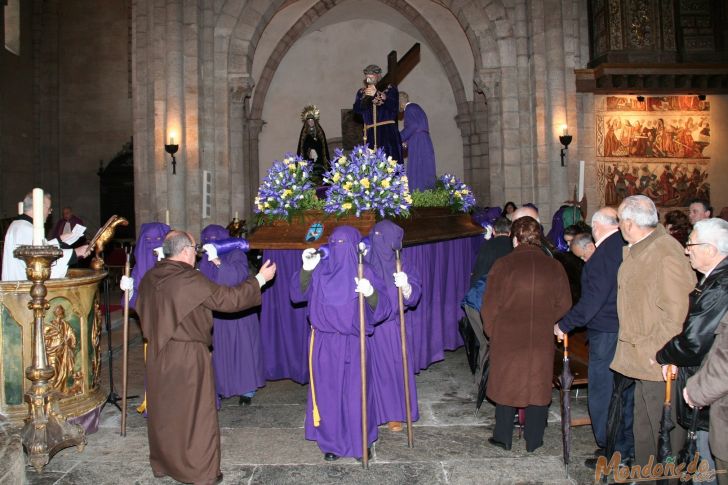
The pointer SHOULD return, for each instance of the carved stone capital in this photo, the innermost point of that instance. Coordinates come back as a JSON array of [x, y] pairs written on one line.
[[487, 82], [241, 87]]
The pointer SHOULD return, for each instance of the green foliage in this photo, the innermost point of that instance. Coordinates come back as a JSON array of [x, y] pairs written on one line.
[[311, 202], [439, 197]]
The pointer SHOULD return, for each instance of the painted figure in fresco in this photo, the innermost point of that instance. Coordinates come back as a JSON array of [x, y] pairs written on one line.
[[610, 191], [60, 341]]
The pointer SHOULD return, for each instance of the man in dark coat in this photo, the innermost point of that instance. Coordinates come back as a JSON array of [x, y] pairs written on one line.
[[380, 108], [707, 248], [489, 253], [175, 305], [527, 292], [597, 311], [416, 139]]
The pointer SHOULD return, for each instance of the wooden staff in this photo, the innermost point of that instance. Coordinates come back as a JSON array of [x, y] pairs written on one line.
[[405, 364], [125, 351], [363, 369]]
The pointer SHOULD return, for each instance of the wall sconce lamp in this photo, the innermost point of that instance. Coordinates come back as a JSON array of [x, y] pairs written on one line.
[[701, 97], [564, 139], [172, 148], [640, 99]]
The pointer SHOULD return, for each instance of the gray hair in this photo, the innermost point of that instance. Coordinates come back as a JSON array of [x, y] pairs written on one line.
[[639, 209], [713, 231], [602, 218], [502, 226], [582, 240], [175, 242], [28, 200], [403, 96]]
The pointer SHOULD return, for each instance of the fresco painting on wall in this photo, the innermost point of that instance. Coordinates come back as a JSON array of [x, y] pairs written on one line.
[[655, 146]]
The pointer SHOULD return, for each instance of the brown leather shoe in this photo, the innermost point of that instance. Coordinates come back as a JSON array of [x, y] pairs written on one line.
[[395, 426]]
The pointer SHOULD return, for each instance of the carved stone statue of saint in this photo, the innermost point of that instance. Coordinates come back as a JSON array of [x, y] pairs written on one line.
[[312, 143], [60, 342]]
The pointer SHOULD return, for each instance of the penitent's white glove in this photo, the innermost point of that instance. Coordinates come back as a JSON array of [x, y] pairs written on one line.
[[127, 284], [401, 281], [159, 252], [364, 287], [211, 251], [310, 258]]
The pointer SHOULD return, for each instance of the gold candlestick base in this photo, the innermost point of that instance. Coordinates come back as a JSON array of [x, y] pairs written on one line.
[[46, 430]]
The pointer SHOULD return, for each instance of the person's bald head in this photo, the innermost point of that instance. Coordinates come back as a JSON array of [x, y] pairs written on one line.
[[604, 221], [523, 212], [180, 246]]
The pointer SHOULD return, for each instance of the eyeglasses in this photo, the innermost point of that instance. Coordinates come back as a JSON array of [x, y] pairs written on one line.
[[196, 247], [688, 245]]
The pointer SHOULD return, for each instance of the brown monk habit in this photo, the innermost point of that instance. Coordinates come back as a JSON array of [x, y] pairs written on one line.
[[175, 306]]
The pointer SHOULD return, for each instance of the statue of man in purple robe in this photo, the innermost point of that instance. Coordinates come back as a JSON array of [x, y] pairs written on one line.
[[236, 348], [416, 139], [386, 344], [379, 110], [331, 287]]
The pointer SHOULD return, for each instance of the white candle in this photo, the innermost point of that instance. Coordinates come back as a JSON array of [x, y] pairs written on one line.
[[564, 130], [166, 217], [38, 219], [236, 215], [581, 180], [20, 208]]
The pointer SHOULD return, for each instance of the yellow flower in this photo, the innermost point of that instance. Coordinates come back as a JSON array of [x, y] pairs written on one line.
[[408, 198], [342, 160], [385, 183], [266, 205], [458, 195], [286, 193], [336, 177], [346, 205], [302, 164], [292, 167], [347, 186], [390, 170], [365, 182], [464, 191]]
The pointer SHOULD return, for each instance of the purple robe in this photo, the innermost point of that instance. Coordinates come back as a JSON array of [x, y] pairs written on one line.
[[333, 312], [151, 235], [421, 154], [236, 352], [386, 344], [388, 134]]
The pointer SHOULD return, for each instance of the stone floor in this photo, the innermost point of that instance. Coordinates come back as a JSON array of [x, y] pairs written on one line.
[[263, 443]]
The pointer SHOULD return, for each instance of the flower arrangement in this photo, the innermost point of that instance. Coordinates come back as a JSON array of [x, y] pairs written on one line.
[[461, 196], [285, 188], [366, 180]]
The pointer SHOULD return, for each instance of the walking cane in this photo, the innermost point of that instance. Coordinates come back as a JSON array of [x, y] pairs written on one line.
[[125, 351], [363, 369], [405, 363]]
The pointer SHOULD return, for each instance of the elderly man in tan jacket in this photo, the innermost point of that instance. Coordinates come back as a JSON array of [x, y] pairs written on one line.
[[654, 282]]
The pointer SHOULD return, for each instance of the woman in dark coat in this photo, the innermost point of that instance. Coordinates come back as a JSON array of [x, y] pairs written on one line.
[[527, 293]]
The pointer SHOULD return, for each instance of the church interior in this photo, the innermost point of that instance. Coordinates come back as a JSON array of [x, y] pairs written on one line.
[[521, 96]]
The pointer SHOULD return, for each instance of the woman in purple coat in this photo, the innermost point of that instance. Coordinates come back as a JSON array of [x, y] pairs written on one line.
[[386, 344], [236, 351], [416, 139], [331, 287]]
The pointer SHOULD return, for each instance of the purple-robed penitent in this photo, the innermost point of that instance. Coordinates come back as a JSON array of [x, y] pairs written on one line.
[[151, 236], [333, 312], [421, 154], [388, 134], [387, 379], [236, 350]]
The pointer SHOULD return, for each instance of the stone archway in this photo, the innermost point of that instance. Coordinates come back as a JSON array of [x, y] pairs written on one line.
[[489, 28]]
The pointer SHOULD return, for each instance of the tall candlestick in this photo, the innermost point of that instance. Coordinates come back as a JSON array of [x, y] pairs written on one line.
[[20, 208], [38, 219], [166, 217], [581, 180]]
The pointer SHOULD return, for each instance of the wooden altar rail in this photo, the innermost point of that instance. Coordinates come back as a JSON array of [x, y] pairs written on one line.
[[579, 365]]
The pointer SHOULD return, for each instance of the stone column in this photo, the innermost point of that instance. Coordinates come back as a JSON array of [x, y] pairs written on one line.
[[241, 130], [175, 115], [487, 82]]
